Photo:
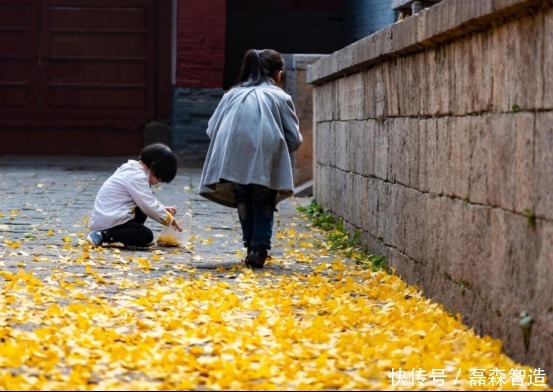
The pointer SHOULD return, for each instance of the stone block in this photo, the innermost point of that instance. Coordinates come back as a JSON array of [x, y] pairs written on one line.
[[432, 91], [439, 222], [352, 203], [341, 145], [322, 142], [383, 193], [459, 169], [544, 267], [352, 97], [367, 140], [480, 92], [394, 231], [513, 273], [543, 164], [379, 93], [362, 213], [372, 209], [325, 102], [438, 152], [473, 246], [405, 39], [368, 103], [398, 162], [424, 83], [412, 146], [406, 88], [422, 170], [357, 154], [381, 152], [442, 153], [518, 83], [548, 54], [391, 87], [445, 21], [353, 148], [461, 81], [524, 169], [406, 268], [415, 222], [338, 200], [501, 171], [321, 183], [480, 161]]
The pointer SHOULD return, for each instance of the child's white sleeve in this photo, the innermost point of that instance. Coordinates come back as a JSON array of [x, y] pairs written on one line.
[[145, 199]]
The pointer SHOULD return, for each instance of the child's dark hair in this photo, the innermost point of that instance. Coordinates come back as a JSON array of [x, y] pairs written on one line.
[[260, 65], [161, 161]]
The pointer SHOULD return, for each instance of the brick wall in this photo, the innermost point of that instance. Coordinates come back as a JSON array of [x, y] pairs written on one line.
[[434, 138], [200, 61], [200, 49], [210, 47]]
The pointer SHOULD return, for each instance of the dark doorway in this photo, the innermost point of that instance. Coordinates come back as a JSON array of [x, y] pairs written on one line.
[[289, 26], [82, 76]]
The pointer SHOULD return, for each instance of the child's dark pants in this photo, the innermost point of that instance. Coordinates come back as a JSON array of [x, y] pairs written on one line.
[[256, 206], [132, 233]]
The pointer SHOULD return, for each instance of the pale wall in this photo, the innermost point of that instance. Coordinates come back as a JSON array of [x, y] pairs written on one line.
[[434, 137]]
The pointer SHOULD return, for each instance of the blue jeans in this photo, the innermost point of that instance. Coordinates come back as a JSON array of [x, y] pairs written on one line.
[[256, 207]]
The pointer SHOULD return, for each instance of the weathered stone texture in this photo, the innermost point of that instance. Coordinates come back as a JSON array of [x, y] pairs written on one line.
[[302, 95], [543, 163], [434, 139]]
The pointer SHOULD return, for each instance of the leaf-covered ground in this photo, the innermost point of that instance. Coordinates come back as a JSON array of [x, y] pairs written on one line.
[[121, 320]]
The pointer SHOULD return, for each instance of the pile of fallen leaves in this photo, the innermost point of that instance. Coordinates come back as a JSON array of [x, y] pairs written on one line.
[[336, 326]]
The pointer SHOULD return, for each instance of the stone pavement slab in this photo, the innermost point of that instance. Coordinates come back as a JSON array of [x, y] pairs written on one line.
[[46, 202], [309, 320]]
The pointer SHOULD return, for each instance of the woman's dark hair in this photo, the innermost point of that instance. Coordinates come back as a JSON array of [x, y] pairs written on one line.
[[161, 161], [260, 65]]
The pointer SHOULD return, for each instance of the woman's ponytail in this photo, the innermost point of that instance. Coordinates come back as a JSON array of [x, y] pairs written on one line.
[[259, 66]]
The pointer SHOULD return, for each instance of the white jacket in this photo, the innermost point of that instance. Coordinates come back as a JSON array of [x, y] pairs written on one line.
[[117, 199], [253, 132]]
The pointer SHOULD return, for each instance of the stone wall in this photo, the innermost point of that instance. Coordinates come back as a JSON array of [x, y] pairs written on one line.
[[302, 95], [434, 138], [192, 109]]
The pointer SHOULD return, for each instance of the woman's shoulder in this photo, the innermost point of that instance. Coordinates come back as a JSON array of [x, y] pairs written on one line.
[[267, 89], [275, 91]]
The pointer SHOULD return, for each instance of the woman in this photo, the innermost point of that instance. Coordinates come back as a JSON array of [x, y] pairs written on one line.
[[253, 133]]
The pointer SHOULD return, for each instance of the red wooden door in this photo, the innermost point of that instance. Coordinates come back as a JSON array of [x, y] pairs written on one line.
[[73, 72], [19, 58]]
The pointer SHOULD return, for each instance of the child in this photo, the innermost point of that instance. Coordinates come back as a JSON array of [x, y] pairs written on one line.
[[126, 199], [253, 133]]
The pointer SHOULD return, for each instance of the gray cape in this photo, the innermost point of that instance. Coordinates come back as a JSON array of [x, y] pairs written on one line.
[[253, 133]]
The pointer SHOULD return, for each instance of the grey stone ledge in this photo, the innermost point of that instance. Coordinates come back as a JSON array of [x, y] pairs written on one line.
[[444, 22]]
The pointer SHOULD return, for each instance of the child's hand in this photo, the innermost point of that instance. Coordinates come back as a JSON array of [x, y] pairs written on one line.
[[171, 209], [176, 225]]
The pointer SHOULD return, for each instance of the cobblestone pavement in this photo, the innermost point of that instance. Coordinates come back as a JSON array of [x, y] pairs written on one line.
[[44, 210], [46, 202]]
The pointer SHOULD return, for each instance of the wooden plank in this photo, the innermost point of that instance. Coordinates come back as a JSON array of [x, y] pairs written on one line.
[[18, 58]]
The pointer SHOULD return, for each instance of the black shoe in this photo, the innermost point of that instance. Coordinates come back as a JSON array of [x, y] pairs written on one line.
[[256, 257]]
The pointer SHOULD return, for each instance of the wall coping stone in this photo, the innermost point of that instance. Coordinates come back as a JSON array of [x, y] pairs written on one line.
[[399, 5], [441, 23]]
